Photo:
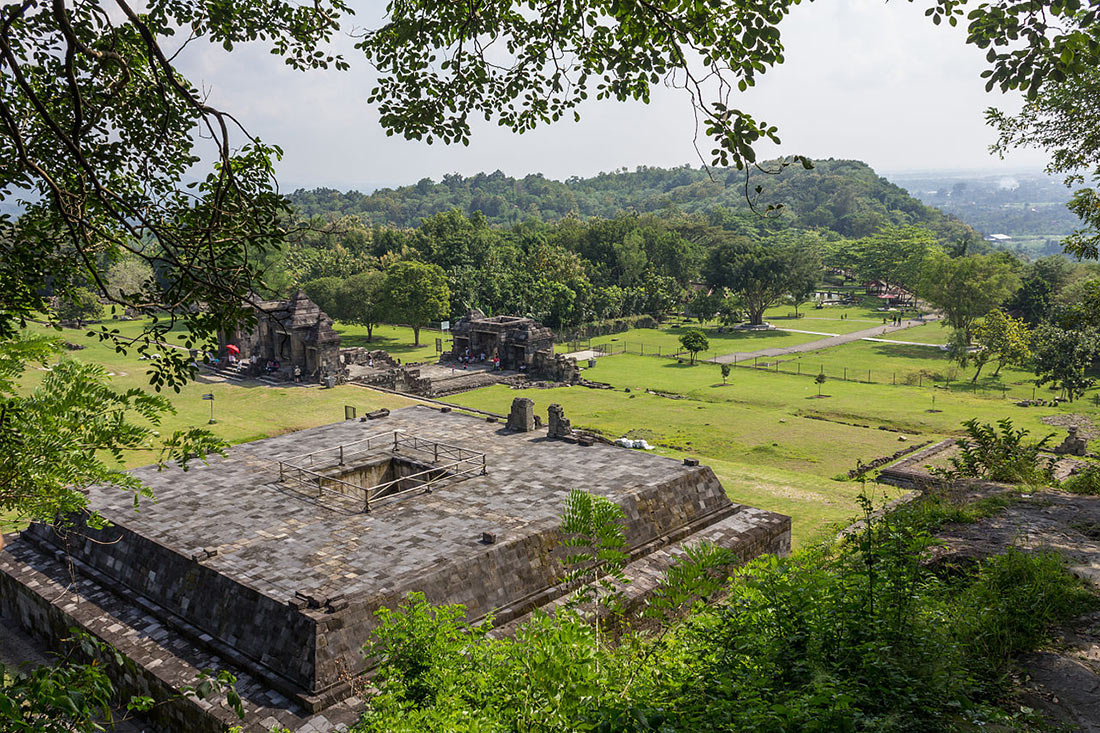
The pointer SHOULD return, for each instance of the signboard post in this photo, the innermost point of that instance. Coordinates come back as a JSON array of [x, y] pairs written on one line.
[[210, 396]]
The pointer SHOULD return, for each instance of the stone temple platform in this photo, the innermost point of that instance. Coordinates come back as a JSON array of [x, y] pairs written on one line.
[[244, 565]]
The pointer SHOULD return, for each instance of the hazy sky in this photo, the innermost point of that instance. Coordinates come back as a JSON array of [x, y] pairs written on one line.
[[862, 79]]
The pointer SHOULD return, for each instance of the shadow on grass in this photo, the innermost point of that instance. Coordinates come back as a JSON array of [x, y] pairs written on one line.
[[907, 351], [388, 343]]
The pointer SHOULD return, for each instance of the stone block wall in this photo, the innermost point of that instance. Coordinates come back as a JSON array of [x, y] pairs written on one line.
[[273, 634], [518, 574]]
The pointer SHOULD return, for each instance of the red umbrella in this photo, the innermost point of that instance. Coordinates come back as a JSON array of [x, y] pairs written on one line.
[[232, 349]]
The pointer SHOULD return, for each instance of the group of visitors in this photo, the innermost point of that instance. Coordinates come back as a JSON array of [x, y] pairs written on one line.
[[895, 320], [468, 357]]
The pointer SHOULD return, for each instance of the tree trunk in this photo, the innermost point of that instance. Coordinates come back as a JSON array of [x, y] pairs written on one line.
[[977, 371], [416, 335], [370, 332], [998, 370]]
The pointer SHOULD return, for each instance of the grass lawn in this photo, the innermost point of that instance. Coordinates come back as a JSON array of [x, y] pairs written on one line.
[[930, 333], [827, 319], [397, 340], [886, 363], [244, 411], [667, 339], [769, 458], [899, 407]]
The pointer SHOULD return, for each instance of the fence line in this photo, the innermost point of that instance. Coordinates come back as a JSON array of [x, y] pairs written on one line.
[[795, 366]]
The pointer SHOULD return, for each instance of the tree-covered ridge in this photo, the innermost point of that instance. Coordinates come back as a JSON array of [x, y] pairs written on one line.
[[845, 196]]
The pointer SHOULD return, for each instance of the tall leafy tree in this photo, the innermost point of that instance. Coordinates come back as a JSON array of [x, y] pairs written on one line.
[[415, 293], [1062, 357], [758, 275], [894, 255], [966, 288]]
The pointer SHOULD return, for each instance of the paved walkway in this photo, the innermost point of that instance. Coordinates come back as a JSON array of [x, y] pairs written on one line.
[[844, 338]]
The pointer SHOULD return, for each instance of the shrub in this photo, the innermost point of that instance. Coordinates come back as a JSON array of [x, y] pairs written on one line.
[[1085, 482], [999, 455]]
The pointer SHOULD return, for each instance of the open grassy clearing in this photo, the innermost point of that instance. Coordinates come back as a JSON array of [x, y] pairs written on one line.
[[930, 333], [768, 458], [872, 361], [244, 411], [899, 407], [667, 339], [829, 318], [396, 340]]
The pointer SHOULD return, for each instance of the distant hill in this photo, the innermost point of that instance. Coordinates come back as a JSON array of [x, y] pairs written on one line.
[[846, 196]]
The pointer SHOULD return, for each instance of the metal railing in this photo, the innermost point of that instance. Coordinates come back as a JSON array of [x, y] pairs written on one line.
[[458, 463]]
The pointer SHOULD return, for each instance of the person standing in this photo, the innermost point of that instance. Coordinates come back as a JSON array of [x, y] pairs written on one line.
[[297, 373]]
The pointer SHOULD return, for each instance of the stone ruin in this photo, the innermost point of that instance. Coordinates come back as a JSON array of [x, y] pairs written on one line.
[[264, 562], [521, 418], [294, 332], [1072, 445], [558, 422], [521, 344]]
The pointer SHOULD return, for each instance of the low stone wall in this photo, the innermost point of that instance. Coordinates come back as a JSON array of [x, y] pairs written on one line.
[[39, 603], [910, 473]]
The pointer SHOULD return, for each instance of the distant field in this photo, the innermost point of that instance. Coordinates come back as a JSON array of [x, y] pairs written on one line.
[[829, 319], [667, 340], [773, 459], [771, 440], [767, 435], [929, 333]]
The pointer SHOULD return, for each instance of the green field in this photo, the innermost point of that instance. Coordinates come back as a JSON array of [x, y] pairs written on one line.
[[396, 340], [244, 411], [667, 340], [768, 436], [827, 319], [885, 363], [929, 333]]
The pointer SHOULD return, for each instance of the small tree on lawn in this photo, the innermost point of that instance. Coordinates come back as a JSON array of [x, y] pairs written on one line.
[[693, 342], [725, 373], [1006, 339], [819, 380]]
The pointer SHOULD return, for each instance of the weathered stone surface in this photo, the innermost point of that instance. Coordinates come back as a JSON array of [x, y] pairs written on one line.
[[1073, 445], [522, 417], [284, 585], [558, 422]]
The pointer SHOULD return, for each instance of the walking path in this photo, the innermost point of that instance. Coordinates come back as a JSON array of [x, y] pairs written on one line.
[[844, 338]]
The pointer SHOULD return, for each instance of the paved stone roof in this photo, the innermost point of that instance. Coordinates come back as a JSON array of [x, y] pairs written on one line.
[[278, 540]]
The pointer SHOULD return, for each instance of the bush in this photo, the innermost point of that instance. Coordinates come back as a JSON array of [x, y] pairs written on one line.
[[999, 455], [1085, 482], [1008, 610], [858, 635]]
